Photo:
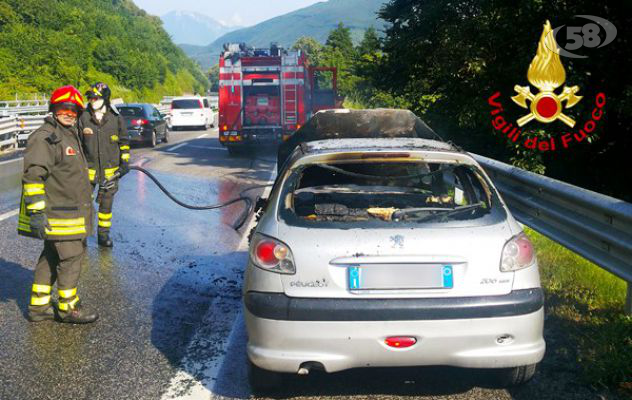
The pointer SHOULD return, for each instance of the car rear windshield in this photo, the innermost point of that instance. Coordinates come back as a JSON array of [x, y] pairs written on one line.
[[185, 104], [131, 111], [387, 192]]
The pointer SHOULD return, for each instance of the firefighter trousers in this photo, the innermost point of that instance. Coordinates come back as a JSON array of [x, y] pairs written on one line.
[[59, 262], [105, 198]]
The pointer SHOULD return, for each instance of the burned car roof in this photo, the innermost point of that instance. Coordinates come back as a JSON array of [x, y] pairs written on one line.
[[376, 144], [345, 123]]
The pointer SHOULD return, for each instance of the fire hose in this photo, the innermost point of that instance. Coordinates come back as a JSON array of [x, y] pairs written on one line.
[[109, 183]]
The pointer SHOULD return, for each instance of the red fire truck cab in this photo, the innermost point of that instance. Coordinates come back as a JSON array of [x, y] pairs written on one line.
[[265, 95]]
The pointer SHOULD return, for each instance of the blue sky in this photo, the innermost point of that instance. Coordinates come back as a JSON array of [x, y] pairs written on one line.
[[233, 12]]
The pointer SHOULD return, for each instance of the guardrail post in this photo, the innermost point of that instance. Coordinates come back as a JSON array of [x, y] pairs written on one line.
[[628, 300]]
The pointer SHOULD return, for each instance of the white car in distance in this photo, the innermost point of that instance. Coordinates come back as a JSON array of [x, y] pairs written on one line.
[[191, 112]]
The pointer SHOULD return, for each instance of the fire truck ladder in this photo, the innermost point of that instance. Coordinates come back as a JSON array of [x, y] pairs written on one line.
[[290, 91]]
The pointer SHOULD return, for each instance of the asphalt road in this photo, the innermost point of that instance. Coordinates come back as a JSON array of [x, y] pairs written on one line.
[[168, 295]]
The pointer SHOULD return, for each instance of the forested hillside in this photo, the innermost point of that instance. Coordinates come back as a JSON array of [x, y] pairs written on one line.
[[45, 44]]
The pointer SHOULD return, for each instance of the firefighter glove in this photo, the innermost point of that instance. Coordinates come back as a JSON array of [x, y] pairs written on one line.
[[38, 224]]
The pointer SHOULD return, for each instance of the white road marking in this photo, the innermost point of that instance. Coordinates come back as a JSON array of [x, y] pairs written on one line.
[[10, 161], [203, 388], [9, 214], [209, 147], [202, 136], [177, 146]]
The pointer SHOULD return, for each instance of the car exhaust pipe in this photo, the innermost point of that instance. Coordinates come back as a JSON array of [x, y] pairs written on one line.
[[307, 367]]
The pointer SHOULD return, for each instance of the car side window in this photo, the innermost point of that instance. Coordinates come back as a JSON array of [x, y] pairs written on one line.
[[157, 115], [206, 105]]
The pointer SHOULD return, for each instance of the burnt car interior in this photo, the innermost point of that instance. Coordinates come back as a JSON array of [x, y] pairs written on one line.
[[389, 191]]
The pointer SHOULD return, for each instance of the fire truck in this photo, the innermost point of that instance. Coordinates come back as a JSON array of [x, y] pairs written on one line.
[[265, 95]]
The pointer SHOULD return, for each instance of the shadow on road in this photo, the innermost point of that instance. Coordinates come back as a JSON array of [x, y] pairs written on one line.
[[179, 308], [15, 284]]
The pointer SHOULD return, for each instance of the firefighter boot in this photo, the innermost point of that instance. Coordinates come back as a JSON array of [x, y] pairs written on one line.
[[41, 308], [70, 310], [76, 314], [104, 239], [42, 313]]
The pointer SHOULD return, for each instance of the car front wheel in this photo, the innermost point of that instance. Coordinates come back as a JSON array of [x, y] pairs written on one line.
[[263, 381]]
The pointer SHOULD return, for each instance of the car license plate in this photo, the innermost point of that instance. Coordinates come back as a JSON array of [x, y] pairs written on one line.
[[401, 276], [186, 113]]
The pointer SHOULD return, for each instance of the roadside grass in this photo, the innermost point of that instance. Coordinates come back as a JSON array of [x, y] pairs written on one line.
[[585, 319]]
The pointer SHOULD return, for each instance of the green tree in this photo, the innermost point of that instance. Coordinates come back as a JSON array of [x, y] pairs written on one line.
[[340, 39], [370, 43], [310, 46]]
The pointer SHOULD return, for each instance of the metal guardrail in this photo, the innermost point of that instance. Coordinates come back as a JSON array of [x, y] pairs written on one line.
[[596, 226]]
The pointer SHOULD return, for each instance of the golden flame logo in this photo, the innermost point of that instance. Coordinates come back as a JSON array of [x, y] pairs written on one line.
[[546, 73]]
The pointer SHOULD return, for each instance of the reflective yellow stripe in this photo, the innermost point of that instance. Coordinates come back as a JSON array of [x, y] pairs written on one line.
[[72, 222], [40, 205], [92, 173], [24, 227], [42, 288], [40, 301], [114, 138], [32, 189], [125, 156], [109, 172], [68, 293], [66, 231], [105, 217], [105, 224], [33, 186], [33, 192], [64, 96], [124, 147], [71, 304]]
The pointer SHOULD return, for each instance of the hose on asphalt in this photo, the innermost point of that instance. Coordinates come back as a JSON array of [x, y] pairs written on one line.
[[238, 224]]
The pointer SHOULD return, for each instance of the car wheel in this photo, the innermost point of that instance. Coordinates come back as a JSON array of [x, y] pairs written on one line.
[[153, 141], [165, 138], [263, 381], [506, 377]]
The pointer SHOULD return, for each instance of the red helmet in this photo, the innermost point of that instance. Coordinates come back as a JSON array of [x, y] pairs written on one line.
[[66, 96]]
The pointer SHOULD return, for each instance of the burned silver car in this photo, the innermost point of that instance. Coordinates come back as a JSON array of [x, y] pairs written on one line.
[[399, 251]]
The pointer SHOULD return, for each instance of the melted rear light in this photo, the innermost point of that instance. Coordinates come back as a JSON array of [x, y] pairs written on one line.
[[272, 255], [400, 342], [518, 253]]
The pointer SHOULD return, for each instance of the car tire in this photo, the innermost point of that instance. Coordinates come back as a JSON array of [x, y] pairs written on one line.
[[153, 140], [263, 381], [506, 377], [165, 139]]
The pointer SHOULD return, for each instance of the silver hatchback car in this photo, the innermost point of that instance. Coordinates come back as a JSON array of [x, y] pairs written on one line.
[[389, 252]]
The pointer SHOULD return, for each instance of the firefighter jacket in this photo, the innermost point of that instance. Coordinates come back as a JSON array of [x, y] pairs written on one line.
[[106, 143], [55, 182]]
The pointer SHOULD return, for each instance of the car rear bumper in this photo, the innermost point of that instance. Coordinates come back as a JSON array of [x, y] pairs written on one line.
[[139, 135], [476, 332], [278, 306], [500, 342]]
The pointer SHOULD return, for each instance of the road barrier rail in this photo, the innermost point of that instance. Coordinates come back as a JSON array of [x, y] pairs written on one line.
[[593, 225]]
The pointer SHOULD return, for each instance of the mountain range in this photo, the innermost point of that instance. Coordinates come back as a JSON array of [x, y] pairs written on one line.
[[316, 21], [191, 28]]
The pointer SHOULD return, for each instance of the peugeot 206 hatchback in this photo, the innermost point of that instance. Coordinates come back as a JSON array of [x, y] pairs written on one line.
[[389, 252]]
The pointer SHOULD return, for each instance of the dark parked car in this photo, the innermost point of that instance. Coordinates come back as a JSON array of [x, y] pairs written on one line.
[[145, 124]]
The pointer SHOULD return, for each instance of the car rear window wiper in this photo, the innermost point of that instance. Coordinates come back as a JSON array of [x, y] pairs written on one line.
[[438, 212]]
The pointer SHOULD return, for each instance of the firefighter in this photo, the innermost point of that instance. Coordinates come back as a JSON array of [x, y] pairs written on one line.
[[105, 140], [56, 206]]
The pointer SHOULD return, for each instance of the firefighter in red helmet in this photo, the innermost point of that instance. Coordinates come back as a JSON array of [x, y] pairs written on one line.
[[56, 206], [105, 140]]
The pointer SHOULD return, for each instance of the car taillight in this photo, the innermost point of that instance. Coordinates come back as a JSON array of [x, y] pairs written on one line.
[[518, 253], [272, 255], [139, 121], [400, 342]]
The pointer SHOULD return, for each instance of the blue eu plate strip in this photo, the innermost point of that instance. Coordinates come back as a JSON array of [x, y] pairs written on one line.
[[447, 276], [354, 278]]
